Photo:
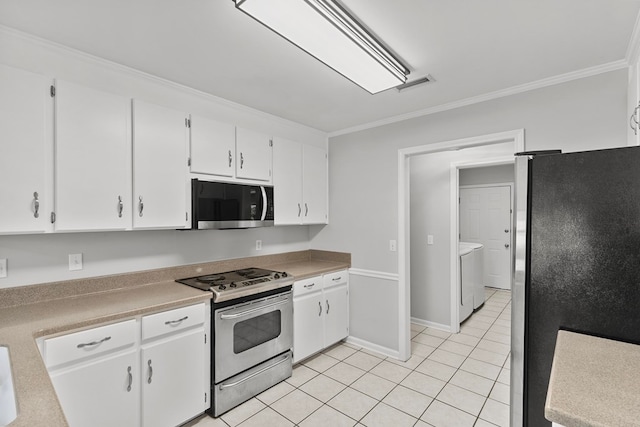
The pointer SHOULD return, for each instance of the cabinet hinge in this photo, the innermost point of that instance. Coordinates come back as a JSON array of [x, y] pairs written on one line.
[[186, 216], [205, 338], [271, 143], [189, 161], [205, 398], [269, 172], [187, 122], [53, 217], [52, 91]]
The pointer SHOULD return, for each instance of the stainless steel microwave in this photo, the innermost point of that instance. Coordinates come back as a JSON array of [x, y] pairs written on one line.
[[219, 205]]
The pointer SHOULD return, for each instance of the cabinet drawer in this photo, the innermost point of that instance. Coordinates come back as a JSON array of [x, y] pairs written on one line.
[[92, 342], [337, 278], [173, 320], [305, 286]]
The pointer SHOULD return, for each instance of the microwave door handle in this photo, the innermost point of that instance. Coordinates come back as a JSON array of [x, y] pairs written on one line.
[[264, 203]]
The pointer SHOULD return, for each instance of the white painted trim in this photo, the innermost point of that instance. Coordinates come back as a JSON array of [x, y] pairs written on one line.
[[633, 48], [373, 347], [372, 273], [404, 282], [514, 90], [132, 72], [432, 325], [493, 184]]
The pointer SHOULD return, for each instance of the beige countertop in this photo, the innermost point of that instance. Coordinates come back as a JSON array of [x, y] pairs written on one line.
[[30, 312], [594, 382]]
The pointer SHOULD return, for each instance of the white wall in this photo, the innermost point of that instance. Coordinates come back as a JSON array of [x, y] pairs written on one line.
[[44, 258], [584, 114]]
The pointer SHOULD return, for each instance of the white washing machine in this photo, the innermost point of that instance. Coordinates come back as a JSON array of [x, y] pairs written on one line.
[[478, 272], [466, 282]]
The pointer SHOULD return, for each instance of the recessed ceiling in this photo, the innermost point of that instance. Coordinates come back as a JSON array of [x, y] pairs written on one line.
[[469, 47]]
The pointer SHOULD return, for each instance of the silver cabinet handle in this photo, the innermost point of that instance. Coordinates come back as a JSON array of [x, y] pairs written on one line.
[[171, 322], [633, 120], [506, 230], [320, 307], [120, 206], [150, 372], [36, 205], [335, 279], [244, 313], [299, 210], [230, 158], [130, 378], [309, 286], [266, 368], [92, 343], [241, 160], [306, 209], [140, 205], [506, 245], [328, 306]]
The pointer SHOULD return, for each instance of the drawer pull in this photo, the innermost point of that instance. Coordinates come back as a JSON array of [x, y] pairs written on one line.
[[150, 372], [335, 279], [92, 343], [172, 322], [328, 306], [320, 307], [309, 286]]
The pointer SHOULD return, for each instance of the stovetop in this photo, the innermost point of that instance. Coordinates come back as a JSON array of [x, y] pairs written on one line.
[[239, 283]]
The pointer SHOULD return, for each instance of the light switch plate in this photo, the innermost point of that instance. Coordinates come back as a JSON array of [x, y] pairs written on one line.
[[75, 262], [430, 239], [393, 245], [3, 268]]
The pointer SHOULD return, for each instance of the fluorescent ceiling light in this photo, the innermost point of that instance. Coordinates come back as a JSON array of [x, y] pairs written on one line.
[[326, 31]]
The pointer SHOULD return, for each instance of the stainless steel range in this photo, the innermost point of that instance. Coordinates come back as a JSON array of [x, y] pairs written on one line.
[[252, 324]]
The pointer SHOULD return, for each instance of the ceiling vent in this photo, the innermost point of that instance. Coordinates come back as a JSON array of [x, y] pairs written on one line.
[[416, 82]]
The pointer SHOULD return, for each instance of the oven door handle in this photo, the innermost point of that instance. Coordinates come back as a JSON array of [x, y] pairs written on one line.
[[254, 310], [247, 378]]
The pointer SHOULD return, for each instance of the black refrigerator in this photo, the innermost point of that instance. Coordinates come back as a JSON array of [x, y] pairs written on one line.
[[582, 258]]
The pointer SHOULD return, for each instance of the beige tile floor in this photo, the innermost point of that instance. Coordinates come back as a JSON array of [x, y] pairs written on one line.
[[450, 380]]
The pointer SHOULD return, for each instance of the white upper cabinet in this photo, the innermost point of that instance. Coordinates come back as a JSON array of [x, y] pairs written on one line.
[[314, 185], [300, 183], [254, 155], [26, 135], [287, 181], [213, 147], [92, 159], [160, 185]]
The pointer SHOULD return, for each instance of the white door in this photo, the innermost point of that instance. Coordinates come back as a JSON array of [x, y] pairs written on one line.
[[314, 185], [92, 160], [254, 155], [287, 181], [172, 387], [104, 393], [213, 147], [26, 163], [159, 167], [485, 217]]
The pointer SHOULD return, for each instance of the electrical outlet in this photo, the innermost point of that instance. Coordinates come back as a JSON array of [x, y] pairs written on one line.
[[258, 245], [430, 239], [3, 267], [75, 262], [393, 245]]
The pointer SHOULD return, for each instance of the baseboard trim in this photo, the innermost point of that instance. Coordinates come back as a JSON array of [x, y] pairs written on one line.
[[429, 324], [373, 347]]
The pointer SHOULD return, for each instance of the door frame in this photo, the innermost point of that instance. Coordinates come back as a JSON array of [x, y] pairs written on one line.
[[455, 224], [404, 268]]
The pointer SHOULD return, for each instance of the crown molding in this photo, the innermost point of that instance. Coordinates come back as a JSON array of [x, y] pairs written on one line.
[[514, 90], [132, 72]]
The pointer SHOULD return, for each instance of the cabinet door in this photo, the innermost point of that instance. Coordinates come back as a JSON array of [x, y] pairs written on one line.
[[93, 159], [172, 384], [633, 105], [336, 325], [26, 163], [254, 155], [308, 320], [97, 394], [287, 181], [314, 185], [213, 147], [159, 167]]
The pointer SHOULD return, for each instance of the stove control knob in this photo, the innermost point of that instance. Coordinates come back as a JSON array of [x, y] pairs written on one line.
[[284, 274], [276, 276], [233, 285], [222, 287]]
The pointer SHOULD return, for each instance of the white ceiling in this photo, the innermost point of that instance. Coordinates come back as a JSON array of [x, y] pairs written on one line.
[[470, 47]]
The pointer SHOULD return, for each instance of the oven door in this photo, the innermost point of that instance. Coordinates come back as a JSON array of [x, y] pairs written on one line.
[[250, 333]]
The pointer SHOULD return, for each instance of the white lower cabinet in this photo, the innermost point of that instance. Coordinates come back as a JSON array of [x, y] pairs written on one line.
[[320, 313], [116, 375]]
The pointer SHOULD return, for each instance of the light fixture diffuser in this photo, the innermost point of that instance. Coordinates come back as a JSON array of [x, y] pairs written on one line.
[[327, 32]]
